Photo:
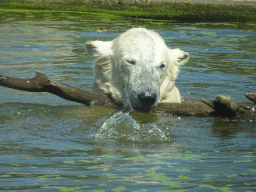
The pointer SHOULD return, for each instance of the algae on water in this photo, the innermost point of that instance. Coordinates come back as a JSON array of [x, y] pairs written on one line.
[[164, 10]]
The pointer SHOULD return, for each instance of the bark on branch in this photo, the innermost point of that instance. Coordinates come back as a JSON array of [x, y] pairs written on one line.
[[223, 106], [41, 83]]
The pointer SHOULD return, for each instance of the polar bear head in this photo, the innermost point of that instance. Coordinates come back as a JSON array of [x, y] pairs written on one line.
[[137, 69]]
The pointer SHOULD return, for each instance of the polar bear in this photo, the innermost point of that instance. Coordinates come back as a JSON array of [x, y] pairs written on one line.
[[137, 69]]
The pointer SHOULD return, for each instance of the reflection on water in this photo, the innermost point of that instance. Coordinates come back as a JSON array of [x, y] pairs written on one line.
[[48, 143]]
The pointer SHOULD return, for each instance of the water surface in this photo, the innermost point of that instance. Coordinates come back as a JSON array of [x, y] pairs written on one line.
[[49, 144]]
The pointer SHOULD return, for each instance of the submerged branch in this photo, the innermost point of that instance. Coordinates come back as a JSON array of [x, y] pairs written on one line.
[[223, 106]]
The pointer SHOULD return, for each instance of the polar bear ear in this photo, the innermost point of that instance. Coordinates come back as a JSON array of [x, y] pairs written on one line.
[[99, 48], [180, 56]]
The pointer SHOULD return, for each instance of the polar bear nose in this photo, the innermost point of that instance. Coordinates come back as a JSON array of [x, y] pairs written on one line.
[[147, 99]]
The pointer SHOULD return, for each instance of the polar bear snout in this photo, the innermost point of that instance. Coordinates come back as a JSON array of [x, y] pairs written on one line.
[[145, 101], [147, 98]]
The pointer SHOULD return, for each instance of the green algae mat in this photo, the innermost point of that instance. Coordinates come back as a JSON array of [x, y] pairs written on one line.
[[165, 10]]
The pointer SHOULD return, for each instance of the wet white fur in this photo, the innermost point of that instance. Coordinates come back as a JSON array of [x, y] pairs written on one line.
[[123, 80]]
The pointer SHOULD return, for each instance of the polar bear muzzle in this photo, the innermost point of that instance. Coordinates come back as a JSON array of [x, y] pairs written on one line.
[[145, 101]]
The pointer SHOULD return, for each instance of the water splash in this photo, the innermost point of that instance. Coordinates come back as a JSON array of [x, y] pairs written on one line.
[[123, 127]]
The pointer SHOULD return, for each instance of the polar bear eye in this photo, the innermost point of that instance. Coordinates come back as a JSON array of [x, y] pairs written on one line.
[[131, 61], [162, 66]]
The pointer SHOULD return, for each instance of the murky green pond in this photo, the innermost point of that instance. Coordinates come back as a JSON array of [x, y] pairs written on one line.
[[49, 144]]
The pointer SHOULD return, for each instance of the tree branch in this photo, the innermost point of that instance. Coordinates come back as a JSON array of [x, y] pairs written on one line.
[[223, 106], [41, 83]]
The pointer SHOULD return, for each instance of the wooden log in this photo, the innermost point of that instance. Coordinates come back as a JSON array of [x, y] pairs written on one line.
[[251, 96], [188, 107], [41, 83], [223, 106]]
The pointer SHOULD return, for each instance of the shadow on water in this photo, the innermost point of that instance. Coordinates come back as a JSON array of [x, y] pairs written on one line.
[[48, 143]]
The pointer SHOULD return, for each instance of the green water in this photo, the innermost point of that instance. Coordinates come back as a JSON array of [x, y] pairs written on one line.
[[49, 144]]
